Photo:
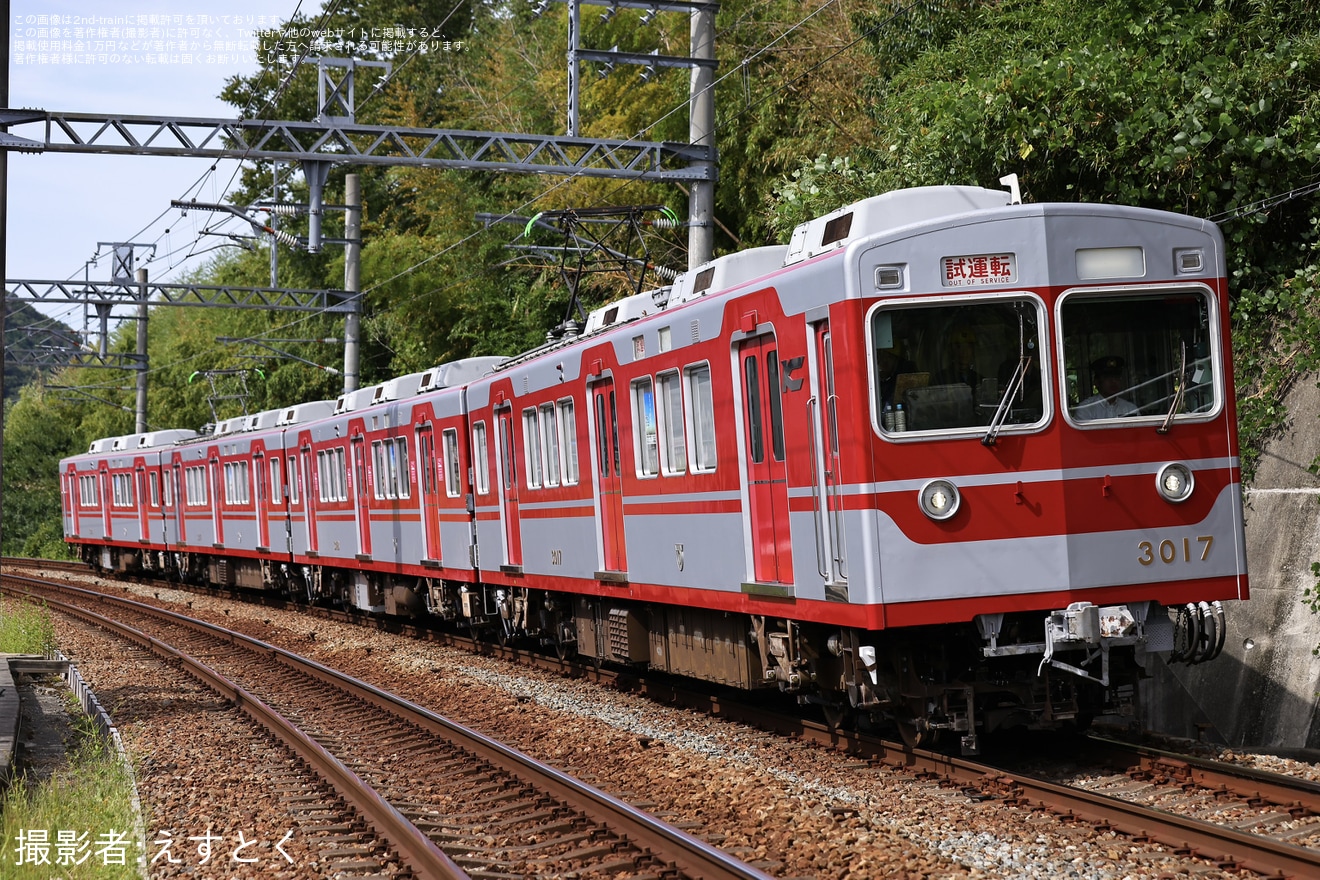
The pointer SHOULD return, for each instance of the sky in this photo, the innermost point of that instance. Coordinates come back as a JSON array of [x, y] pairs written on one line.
[[61, 206]]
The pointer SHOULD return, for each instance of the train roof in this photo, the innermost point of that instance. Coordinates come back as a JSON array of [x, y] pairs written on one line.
[[305, 412], [891, 210]]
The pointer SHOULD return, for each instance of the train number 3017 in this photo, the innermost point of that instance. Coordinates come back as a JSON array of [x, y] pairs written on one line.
[[1169, 551]]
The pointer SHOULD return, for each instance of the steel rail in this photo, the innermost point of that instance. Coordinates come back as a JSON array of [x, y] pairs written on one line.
[[414, 847], [692, 856], [1245, 782], [1226, 845]]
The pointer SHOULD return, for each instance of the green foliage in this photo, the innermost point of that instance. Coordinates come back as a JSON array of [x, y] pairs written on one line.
[[25, 629], [1198, 106], [92, 794], [1122, 103], [39, 430]]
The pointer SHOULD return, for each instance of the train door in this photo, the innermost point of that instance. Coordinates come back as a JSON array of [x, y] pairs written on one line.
[[217, 509], [763, 450], [103, 476], [310, 497], [509, 489], [430, 501], [72, 501], [362, 507], [180, 524], [609, 477], [144, 513], [263, 501], [831, 552]]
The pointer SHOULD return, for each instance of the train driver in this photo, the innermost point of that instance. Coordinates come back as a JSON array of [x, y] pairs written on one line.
[[1108, 375], [890, 364]]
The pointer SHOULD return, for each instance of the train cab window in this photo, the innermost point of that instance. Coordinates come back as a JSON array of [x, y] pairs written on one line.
[[1147, 354], [965, 366], [647, 441], [480, 453], [453, 481], [700, 415], [566, 425]]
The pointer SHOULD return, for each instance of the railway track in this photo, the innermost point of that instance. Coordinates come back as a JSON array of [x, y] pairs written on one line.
[[448, 800], [1233, 817]]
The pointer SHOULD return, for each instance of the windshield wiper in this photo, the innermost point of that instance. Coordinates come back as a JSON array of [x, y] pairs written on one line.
[[1001, 412], [1179, 391], [1019, 375]]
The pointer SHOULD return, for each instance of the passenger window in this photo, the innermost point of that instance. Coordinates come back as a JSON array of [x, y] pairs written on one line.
[[647, 442]]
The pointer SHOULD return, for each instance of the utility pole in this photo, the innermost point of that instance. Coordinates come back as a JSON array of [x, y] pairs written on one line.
[[701, 132], [352, 279], [701, 97], [4, 233], [140, 405]]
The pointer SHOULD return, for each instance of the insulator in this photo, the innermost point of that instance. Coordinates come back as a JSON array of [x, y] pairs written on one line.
[[665, 272], [664, 223], [285, 209], [285, 238]]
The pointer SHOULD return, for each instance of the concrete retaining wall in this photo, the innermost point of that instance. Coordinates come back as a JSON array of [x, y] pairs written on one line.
[[1262, 692]]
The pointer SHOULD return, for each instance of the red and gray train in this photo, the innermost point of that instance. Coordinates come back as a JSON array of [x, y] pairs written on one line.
[[947, 459]]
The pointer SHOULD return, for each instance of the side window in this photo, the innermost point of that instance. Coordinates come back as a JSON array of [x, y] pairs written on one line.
[[390, 461], [401, 472], [340, 468], [567, 426], [646, 444], [154, 479], [550, 443], [480, 459], [453, 480], [425, 462], [532, 453], [196, 485], [700, 418], [673, 451], [276, 474], [87, 491], [381, 489], [294, 479]]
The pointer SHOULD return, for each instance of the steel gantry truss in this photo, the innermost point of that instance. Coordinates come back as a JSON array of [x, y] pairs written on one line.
[[202, 295], [339, 142]]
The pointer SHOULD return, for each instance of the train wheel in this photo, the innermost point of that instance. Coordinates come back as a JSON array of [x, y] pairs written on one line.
[[913, 728], [835, 714]]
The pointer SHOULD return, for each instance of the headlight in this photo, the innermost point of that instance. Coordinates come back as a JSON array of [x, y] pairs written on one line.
[[939, 499], [1175, 482]]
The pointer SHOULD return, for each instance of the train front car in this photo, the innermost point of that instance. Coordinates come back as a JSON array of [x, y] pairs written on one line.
[[1047, 487]]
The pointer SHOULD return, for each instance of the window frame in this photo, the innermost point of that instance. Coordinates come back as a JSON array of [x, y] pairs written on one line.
[[480, 457], [1155, 292], [1044, 332], [699, 418], [566, 425], [646, 434]]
